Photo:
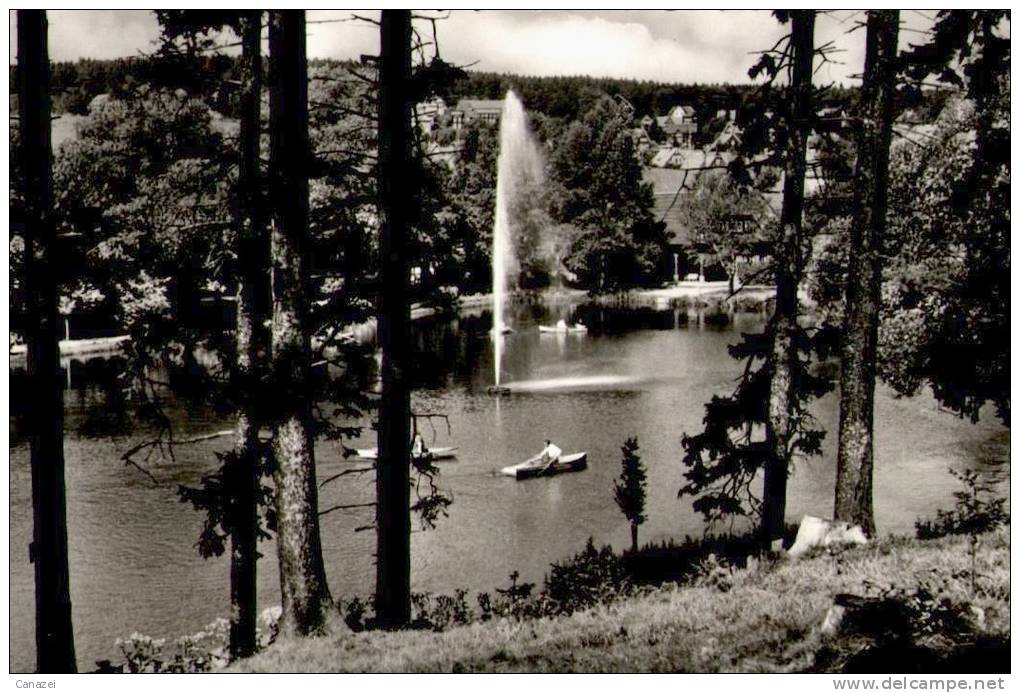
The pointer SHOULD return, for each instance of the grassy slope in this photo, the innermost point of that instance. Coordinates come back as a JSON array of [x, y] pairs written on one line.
[[766, 622]]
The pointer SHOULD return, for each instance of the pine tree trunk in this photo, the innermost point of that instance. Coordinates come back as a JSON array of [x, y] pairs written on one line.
[[855, 461], [788, 265], [252, 348], [305, 594], [54, 637], [633, 537], [393, 515]]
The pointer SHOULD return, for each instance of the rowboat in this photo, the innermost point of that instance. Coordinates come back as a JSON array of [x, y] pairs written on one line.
[[562, 329], [529, 469], [437, 453]]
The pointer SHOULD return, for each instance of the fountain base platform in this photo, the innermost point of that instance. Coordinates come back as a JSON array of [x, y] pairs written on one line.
[[498, 390]]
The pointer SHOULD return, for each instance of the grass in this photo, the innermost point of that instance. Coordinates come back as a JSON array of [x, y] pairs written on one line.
[[764, 618]]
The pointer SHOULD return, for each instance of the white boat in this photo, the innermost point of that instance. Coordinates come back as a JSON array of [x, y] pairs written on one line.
[[437, 453], [562, 329], [536, 466]]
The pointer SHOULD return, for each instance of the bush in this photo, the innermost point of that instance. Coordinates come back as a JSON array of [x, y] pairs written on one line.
[[977, 511], [441, 612], [591, 577], [204, 651], [973, 516], [929, 628]]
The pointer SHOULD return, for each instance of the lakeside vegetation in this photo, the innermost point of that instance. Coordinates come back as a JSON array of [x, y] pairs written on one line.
[[766, 618]]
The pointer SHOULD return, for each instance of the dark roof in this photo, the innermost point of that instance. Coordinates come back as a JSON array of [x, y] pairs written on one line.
[[466, 105]]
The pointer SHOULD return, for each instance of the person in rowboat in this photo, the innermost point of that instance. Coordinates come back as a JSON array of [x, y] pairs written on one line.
[[550, 454], [418, 448]]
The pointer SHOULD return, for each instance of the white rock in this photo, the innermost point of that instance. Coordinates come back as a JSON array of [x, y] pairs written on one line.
[[815, 531]]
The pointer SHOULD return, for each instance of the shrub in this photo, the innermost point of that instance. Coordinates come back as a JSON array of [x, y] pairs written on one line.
[[441, 612], [591, 577], [973, 516], [977, 511], [204, 651]]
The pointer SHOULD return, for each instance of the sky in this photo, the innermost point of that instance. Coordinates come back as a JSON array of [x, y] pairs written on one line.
[[682, 46]]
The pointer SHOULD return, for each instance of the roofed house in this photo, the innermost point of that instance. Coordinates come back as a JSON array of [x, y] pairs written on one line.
[[429, 113], [642, 142], [680, 124], [471, 110]]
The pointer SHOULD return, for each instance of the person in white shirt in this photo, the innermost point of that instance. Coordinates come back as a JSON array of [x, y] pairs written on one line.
[[550, 453], [418, 448]]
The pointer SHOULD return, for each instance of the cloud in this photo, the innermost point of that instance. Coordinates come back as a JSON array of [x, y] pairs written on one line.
[[95, 34], [682, 46]]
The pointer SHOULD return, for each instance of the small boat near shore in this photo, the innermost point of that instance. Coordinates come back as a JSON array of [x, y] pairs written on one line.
[[535, 466], [562, 329], [437, 453]]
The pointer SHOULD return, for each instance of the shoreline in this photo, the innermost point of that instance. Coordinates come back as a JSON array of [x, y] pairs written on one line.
[[698, 295]]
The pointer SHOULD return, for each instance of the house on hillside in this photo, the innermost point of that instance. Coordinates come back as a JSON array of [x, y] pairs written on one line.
[[729, 139], [642, 142], [693, 160], [668, 157], [429, 114], [680, 125], [471, 110]]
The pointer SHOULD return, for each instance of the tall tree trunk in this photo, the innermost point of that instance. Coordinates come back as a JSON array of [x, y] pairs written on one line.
[[252, 348], [54, 637], [305, 594], [854, 461], [788, 265], [393, 515], [633, 537]]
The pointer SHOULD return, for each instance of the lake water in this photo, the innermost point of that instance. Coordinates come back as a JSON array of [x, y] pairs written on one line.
[[133, 562]]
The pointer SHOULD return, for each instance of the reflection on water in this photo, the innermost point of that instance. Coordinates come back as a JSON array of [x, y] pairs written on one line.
[[133, 561]]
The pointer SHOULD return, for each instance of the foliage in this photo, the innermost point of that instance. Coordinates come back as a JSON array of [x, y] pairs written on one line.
[[977, 510], [598, 188], [143, 187], [440, 612], [728, 217], [592, 576], [931, 624], [467, 218], [766, 622], [629, 488], [725, 458], [200, 652], [217, 496], [945, 320], [945, 316]]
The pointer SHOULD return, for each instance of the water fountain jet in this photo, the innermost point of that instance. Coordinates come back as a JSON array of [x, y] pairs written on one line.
[[518, 170]]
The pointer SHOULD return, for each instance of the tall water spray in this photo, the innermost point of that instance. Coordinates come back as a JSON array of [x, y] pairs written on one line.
[[518, 170]]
